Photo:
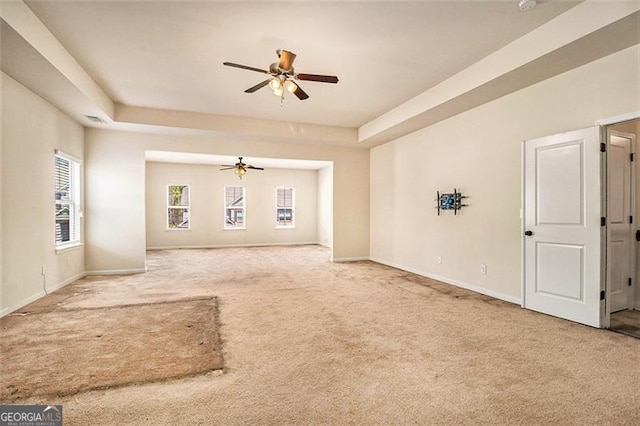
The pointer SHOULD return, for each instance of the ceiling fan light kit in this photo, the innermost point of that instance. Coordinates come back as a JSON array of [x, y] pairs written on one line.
[[282, 73], [291, 86], [240, 168], [275, 84]]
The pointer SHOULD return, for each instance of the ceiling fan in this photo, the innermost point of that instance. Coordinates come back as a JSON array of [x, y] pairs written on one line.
[[240, 168], [282, 76]]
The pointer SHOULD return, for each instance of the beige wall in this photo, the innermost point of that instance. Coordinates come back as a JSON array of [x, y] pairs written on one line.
[[31, 130], [479, 153], [207, 184], [385, 196], [325, 206], [116, 239]]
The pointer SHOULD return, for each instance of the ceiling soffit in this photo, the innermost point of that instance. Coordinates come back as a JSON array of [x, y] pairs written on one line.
[[531, 58]]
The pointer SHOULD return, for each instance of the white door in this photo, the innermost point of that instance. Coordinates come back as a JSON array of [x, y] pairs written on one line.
[[620, 246], [562, 226]]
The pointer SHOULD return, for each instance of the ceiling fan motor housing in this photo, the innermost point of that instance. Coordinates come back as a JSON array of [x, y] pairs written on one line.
[[276, 70]]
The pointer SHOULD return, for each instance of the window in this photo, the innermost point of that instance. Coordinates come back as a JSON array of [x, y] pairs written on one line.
[[178, 207], [67, 195], [285, 205], [234, 204]]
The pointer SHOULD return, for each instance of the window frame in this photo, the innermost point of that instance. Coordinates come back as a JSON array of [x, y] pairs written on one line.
[[225, 226], [186, 207], [74, 201], [292, 225]]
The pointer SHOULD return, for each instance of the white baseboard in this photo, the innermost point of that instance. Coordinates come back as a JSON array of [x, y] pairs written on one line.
[[22, 303], [116, 272], [349, 259], [51, 289], [54, 287], [215, 246], [41, 293], [481, 290]]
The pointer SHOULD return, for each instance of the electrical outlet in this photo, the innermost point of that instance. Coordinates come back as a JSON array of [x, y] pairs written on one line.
[[439, 259], [483, 269]]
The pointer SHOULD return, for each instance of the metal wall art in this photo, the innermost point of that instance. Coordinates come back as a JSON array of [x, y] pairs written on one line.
[[450, 201]]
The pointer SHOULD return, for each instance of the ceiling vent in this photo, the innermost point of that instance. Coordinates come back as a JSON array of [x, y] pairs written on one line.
[[95, 119], [527, 4]]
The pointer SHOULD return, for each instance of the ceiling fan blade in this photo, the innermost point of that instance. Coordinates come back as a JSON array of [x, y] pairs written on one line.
[[257, 86], [286, 60], [255, 168], [301, 94], [317, 77], [245, 67]]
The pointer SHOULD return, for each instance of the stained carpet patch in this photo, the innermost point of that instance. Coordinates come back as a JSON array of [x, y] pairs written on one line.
[[63, 352]]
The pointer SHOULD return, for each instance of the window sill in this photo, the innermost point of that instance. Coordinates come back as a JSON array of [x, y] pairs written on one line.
[[177, 229], [63, 248], [234, 229], [285, 227]]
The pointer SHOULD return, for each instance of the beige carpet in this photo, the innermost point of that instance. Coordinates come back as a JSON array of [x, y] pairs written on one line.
[[306, 341], [64, 351]]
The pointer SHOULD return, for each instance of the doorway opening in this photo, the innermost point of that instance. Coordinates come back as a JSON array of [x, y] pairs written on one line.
[[626, 322], [623, 230]]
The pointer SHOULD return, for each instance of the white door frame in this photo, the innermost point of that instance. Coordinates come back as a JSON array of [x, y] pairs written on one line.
[[618, 119]]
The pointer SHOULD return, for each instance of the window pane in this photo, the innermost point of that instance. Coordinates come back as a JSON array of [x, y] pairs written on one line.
[[178, 218], [63, 230], [234, 196], [179, 195], [285, 197], [284, 207], [234, 210], [62, 178], [234, 217], [285, 214], [67, 202], [178, 207]]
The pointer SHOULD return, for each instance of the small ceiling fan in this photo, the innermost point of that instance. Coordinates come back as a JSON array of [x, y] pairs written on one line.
[[240, 168], [282, 76]]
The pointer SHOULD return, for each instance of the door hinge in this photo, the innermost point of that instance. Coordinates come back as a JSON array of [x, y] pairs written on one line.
[[602, 293], [603, 147], [603, 221], [629, 281], [631, 157], [630, 219]]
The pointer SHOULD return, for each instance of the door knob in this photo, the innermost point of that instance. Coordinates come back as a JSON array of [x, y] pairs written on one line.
[[528, 233]]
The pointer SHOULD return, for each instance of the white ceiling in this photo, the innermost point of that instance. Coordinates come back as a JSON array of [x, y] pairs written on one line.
[[156, 66], [169, 54]]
